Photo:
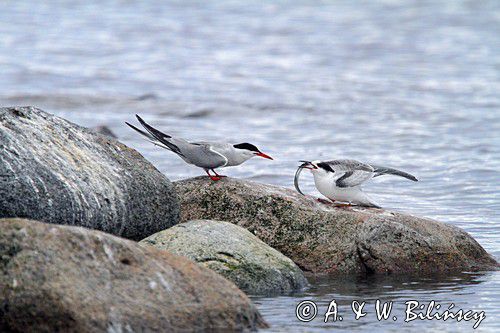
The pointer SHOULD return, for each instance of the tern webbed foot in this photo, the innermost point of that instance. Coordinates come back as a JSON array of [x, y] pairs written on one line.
[[214, 178]]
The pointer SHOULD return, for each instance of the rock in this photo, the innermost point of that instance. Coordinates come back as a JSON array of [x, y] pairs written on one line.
[[55, 171], [233, 252], [324, 239], [104, 130], [146, 97], [57, 278]]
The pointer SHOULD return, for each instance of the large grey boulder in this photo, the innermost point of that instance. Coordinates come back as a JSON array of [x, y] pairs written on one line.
[[55, 171], [233, 252], [57, 278], [323, 239]]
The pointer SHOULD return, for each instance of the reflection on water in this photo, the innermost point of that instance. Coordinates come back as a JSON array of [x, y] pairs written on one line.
[[465, 290], [408, 84]]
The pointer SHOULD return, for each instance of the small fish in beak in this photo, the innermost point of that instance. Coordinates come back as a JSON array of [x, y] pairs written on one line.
[[304, 165]]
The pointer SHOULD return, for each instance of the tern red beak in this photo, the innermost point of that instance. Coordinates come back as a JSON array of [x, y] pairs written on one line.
[[263, 155]]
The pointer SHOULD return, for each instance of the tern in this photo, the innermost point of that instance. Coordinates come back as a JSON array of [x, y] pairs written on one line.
[[204, 154], [340, 180]]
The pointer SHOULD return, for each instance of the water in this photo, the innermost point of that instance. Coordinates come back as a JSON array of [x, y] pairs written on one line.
[[412, 85]]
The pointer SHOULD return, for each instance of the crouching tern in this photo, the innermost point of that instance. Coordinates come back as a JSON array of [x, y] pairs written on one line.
[[204, 154], [340, 180]]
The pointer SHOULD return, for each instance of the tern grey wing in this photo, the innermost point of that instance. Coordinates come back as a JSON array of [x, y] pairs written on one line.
[[346, 165], [206, 155], [353, 178], [227, 150], [380, 171], [217, 146], [349, 172]]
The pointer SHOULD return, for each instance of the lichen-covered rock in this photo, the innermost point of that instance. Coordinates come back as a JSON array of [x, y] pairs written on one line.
[[324, 239], [55, 171], [233, 252], [57, 278]]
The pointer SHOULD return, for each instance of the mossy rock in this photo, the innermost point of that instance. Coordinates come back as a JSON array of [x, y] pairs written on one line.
[[233, 252]]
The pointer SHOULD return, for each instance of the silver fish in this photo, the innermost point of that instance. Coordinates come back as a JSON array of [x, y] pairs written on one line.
[[296, 178]]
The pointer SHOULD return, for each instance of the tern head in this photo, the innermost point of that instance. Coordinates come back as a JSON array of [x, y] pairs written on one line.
[[249, 150], [316, 167]]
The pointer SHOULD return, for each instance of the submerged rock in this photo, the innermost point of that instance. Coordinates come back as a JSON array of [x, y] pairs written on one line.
[[104, 130], [68, 279], [324, 239], [55, 171], [233, 252]]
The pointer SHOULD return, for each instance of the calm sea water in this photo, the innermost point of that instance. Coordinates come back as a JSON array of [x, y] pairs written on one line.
[[408, 84]]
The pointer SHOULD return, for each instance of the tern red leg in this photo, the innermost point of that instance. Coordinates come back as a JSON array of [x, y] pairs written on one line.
[[214, 178], [216, 174]]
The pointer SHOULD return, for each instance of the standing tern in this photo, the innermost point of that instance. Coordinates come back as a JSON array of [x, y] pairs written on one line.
[[340, 180], [206, 155]]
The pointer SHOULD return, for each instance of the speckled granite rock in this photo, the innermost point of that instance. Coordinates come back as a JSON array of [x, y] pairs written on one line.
[[57, 278], [55, 171], [233, 252], [324, 239]]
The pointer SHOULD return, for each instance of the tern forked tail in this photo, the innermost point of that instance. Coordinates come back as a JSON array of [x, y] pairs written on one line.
[[156, 136]]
